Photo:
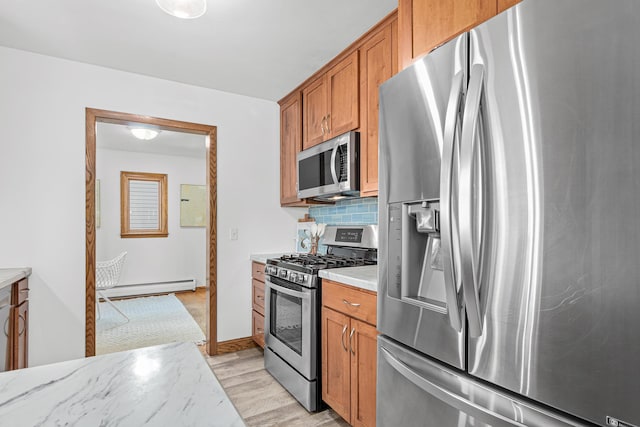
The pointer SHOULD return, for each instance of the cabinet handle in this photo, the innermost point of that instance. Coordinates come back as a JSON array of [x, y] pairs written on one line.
[[260, 330], [342, 338], [322, 124], [24, 290], [351, 341], [6, 327], [352, 304], [260, 297], [24, 325], [328, 127]]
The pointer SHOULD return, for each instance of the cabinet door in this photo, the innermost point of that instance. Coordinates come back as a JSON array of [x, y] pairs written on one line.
[[336, 362], [257, 321], [363, 348], [506, 4], [376, 66], [342, 82], [425, 24], [290, 146], [19, 335], [314, 112]]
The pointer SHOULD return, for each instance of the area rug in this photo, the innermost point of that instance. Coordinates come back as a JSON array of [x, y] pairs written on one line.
[[153, 320]]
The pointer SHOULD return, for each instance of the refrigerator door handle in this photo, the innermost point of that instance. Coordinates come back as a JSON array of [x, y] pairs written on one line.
[[446, 198], [468, 150], [473, 409]]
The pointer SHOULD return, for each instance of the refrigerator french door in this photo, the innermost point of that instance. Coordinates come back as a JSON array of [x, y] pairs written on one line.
[[512, 201]]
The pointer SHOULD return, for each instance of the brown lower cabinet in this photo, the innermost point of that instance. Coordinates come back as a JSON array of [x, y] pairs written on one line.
[[18, 328], [349, 352], [257, 296]]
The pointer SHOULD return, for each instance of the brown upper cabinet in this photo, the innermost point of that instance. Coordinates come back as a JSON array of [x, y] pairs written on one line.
[[330, 103], [290, 146], [378, 62], [506, 4], [426, 24], [340, 97]]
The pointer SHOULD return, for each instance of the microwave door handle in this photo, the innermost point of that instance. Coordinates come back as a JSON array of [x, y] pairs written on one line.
[[446, 197], [334, 174], [468, 148]]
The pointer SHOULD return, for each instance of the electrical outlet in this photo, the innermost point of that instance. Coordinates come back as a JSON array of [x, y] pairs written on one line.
[[233, 234]]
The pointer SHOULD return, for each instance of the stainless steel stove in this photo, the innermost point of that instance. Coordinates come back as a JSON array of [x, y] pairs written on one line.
[[292, 324]]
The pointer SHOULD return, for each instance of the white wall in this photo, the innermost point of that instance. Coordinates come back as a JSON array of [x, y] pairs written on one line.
[[42, 185], [181, 255]]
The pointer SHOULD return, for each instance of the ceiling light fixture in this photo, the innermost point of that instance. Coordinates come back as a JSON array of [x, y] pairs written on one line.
[[145, 134], [185, 9]]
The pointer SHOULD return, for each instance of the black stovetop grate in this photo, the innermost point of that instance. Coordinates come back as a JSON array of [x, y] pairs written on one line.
[[325, 261]]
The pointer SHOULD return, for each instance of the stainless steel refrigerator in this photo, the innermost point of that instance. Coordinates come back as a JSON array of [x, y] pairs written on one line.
[[509, 260]]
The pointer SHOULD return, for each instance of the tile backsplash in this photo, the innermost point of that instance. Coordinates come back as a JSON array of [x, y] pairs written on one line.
[[345, 212]]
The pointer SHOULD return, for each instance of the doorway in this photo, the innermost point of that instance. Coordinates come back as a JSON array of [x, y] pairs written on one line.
[[93, 117]]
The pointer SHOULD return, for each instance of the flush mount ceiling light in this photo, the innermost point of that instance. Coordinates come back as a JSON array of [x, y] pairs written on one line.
[[145, 134], [185, 9]]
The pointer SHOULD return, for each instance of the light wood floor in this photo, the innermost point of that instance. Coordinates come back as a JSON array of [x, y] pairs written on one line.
[[196, 304], [259, 398]]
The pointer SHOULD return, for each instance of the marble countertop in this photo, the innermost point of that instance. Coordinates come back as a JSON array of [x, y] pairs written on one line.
[[264, 257], [12, 275], [167, 385], [365, 277]]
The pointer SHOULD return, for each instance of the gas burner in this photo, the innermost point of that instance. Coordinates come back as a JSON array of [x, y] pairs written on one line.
[[325, 261]]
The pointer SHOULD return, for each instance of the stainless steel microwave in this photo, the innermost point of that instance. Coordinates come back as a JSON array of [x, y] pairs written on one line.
[[330, 170]]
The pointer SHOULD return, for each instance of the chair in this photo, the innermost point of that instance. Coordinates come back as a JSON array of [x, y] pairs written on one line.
[[108, 276]]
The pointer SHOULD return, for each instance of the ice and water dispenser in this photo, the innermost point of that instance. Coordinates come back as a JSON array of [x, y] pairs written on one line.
[[415, 257]]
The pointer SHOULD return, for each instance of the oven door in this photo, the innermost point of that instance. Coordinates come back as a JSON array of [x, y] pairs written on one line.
[[291, 326]]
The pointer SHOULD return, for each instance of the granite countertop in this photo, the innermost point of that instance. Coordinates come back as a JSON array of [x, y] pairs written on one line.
[[12, 275], [167, 385], [365, 277], [264, 257]]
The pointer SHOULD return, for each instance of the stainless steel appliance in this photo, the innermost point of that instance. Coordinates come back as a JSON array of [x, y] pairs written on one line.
[[292, 325], [509, 223], [330, 171]]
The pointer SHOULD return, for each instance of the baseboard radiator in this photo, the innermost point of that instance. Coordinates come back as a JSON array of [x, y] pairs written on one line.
[[151, 288]]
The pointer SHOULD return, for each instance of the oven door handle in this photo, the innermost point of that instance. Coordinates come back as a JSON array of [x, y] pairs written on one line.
[[287, 291]]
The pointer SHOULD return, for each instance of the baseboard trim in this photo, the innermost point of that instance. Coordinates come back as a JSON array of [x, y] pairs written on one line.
[[237, 344]]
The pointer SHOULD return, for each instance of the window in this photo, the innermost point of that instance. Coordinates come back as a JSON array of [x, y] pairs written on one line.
[[143, 205]]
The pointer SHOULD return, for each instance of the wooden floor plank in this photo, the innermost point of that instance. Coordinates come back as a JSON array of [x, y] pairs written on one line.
[[259, 398]]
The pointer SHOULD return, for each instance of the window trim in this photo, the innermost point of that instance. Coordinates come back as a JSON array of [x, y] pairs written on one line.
[[125, 230]]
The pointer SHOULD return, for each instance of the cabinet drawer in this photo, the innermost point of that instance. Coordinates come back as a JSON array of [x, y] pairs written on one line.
[[258, 328], [257, 271], [258, 296], [20, 292], [354, 302]]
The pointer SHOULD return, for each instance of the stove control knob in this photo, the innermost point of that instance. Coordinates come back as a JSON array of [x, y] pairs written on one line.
[[301, 278], [282, 273], [293, 277]]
